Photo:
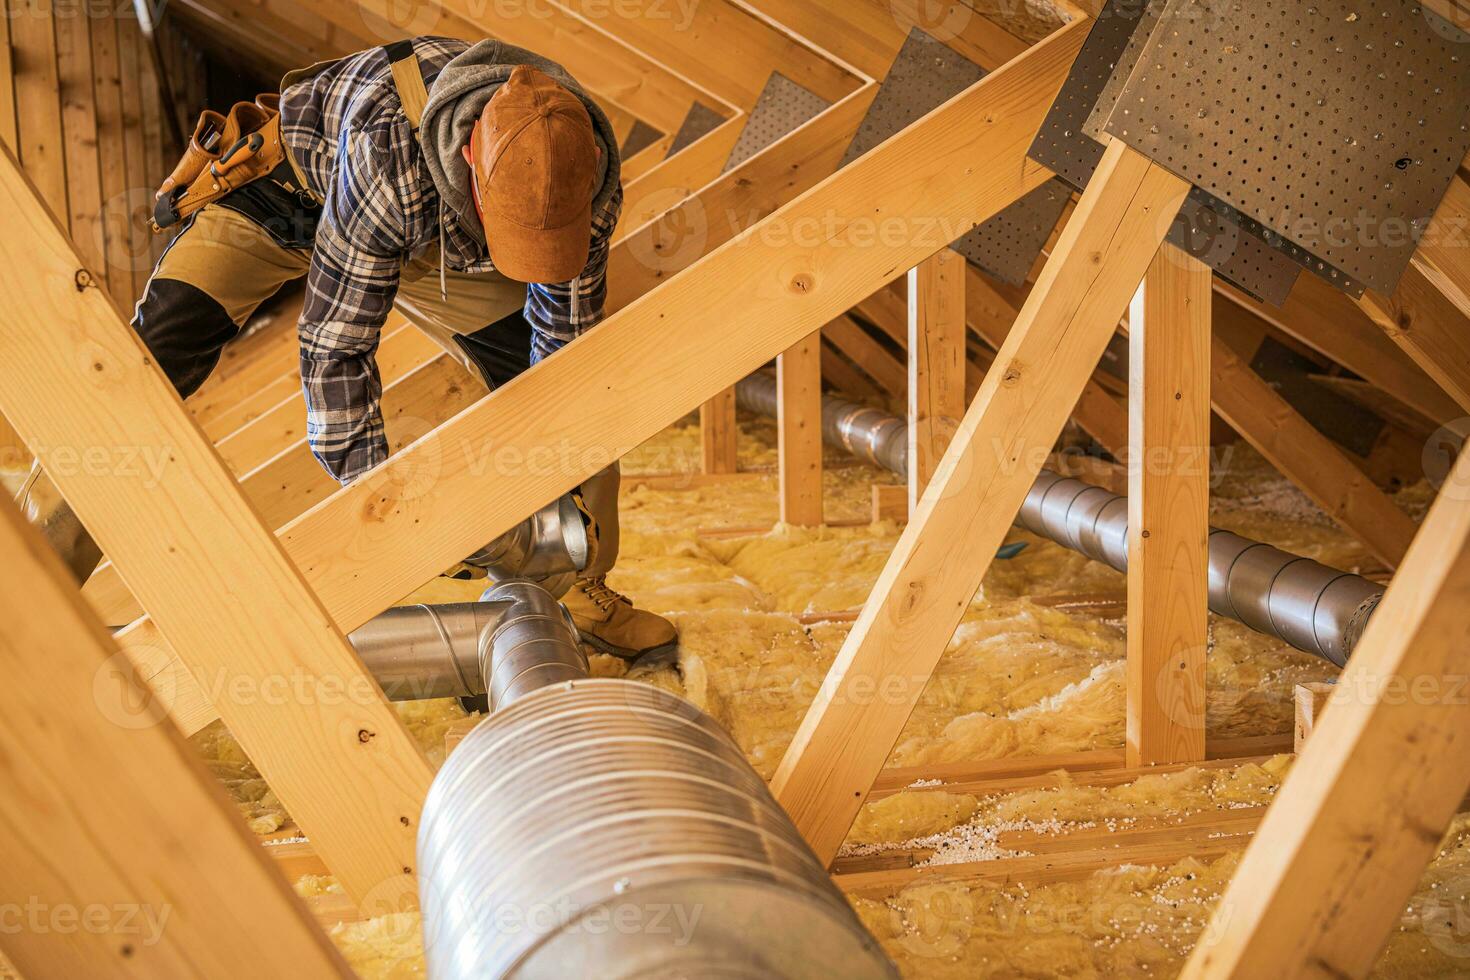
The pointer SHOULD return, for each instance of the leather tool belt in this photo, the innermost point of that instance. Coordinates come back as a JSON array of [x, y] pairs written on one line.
[[225, 153]]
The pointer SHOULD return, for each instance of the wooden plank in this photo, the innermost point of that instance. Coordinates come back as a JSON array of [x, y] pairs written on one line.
[[79, 128], [105, 814], [371, 543], [936, 363], [862, 349], [890, 502], [719, 434], [154, 167], [117, 266], [8, 124], [1362, 812], [991, 313], [721, 46], [1443, 255], [887, 311], [40, 138], [686, 230], [334, 751], [1306, 457], [967, 510], [1327, 320], [285, 486], [639, 164], [135, 158], [401, 351], [669, 181], [1067, 865], [1421, 318], [840, 373], [799, 431], [1309, 701], [1168, 510]]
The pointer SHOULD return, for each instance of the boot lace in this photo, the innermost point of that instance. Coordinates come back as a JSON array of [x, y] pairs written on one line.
[[597, 590]]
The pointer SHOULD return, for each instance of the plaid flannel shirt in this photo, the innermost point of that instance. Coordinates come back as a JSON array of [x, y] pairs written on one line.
[[346, 131]]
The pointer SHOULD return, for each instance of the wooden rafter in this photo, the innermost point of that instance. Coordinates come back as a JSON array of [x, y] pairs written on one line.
[[968, 508], [81, 834], [1362, 812], [369, 544], [197, 556], [936, 363]]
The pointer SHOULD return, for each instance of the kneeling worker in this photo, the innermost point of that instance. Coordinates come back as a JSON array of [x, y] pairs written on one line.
[[473, 187]]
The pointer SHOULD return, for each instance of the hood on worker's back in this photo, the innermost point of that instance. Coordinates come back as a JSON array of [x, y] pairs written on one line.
[[458, 97]]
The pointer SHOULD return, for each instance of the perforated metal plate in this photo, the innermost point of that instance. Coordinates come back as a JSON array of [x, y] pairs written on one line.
[[925, 74], [700, 121], [1061, 143], [640, 137], [783, 106], [1007, 245], [1237, 253], [1336, 125]]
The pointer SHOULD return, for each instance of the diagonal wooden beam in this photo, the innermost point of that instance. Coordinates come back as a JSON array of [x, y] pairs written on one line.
[[376, 540], [1343, 846], [968, 508], [285, 486], [860, 347], [1427, 326], [107, 809], [193, 551], [688, 229], [1307, 457], [1328, 321]]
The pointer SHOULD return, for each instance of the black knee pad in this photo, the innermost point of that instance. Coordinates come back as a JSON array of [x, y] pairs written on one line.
[[184, 329]]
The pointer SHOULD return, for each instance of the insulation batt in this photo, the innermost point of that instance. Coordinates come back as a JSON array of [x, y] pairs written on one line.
[[1019, 678]]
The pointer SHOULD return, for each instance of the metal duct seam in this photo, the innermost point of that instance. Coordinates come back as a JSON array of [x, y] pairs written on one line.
[[1314, 608], [596, 802]]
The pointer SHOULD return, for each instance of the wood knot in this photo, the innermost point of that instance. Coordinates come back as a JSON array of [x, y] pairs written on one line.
[[802, 283], [1011, 376], [365, 736]]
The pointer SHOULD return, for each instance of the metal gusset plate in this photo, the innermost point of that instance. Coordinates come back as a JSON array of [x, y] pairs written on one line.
[[1237, 252], [700, 121], [640, 137], [782, 107], [926, 74], [1336, 125]]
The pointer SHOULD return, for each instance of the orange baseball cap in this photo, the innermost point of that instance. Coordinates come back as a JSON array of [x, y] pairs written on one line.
[[535, 169]]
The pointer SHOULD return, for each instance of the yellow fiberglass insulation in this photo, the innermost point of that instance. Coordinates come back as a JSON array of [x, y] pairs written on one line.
[[762, 616]]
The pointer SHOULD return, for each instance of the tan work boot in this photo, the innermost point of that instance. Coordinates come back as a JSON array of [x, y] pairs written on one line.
[[44, 508], [611, 623]]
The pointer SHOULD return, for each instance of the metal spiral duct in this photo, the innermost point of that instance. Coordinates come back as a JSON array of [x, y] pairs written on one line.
[[607, 828], [1314, 608], [872, 435]]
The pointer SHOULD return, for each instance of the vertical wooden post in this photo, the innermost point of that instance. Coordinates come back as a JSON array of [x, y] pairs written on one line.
[[719, 433], [966, 512], [1168, 511], [1362, 812], [799, 430], [936, 372], [117, 839]]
